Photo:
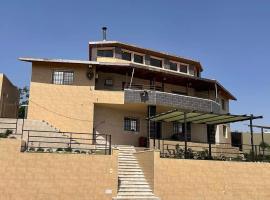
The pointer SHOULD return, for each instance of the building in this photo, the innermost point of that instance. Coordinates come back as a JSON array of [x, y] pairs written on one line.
[[119, 87], [9, 102]]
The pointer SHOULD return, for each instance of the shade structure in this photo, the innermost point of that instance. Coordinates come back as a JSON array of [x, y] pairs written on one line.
[[200, 117]]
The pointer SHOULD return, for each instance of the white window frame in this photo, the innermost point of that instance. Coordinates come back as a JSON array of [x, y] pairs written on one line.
[[157, 58], [140, 54], [187, 68]]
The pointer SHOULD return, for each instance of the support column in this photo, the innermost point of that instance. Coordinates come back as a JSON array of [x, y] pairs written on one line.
[[185, 122], [251, 138], [262, 140]]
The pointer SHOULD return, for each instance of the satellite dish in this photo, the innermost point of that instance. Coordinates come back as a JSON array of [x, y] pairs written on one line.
[[90, 74]]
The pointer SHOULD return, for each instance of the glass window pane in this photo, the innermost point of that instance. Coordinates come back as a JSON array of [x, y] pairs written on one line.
[[173, 66], [138, 58], [105, 53], [191, 70], [155, 62], [183, 68], [126, 56], [58, 77]]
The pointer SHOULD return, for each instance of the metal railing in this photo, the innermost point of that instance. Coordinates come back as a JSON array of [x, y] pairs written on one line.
[[13, 126], [217, 151], [50, 141]]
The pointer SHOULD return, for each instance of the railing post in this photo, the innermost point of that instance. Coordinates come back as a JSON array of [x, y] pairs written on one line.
[[106, 144], [16, 126], [27, 141], [110, 145], [251, 137], [70, 140], [185, 122]]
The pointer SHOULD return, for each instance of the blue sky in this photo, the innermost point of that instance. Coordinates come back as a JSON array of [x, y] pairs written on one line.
[[230, 38]]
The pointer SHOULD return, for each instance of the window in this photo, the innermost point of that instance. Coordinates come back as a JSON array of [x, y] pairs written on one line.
[[223, 105], [63, 77], [105, 53], [155, 62], [173, 66], [138, 58], [183, 68], [108, 82], [126, 55], [191, 70], [177, 128], [131, 124], [225, 131]]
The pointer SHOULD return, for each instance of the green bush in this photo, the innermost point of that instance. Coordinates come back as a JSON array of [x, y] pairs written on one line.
[[6, 133], [68, 149], [59, 149], [40, 150]]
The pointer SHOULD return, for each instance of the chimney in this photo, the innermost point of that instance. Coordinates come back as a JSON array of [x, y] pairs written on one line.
[[104, 31]]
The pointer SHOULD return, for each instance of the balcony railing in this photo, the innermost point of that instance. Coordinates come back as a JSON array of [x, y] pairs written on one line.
[[154, 95]]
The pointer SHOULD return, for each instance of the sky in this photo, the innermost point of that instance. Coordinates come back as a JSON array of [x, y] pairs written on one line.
[[230, 38]]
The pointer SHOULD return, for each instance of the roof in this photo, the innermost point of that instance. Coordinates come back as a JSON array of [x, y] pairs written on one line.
[[146, 51], [139, 67], [200, 117]]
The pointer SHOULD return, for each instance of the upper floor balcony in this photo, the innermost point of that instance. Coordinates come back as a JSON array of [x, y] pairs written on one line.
[[156, 96]]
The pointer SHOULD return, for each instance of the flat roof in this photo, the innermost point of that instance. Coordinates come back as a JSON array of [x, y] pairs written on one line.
[[200, 117], [140, 68], [105, 43]]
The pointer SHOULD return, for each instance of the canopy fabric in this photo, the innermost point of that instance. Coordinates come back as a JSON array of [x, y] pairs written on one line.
[[199, 117]]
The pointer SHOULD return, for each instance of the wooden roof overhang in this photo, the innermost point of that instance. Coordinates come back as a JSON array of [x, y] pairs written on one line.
[[200, 117], [166, 76]]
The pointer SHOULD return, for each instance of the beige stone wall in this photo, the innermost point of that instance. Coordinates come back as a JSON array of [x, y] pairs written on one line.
[[9, 101], [146, 162], [211, 180], [39, 176], [110, 120], [67, 107]]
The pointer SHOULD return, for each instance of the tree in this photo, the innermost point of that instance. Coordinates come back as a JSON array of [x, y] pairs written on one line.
[[24, 98]]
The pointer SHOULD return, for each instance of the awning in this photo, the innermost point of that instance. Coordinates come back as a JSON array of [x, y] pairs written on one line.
[[200, 118]]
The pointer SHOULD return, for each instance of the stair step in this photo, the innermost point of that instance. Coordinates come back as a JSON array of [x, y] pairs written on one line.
[[146, 186], [132, 182], [133, 169], [135, 194], [136, 198], [137, 190]]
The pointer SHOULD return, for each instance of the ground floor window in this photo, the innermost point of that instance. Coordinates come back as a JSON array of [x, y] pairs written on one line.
[[131, 124], [179, 131]]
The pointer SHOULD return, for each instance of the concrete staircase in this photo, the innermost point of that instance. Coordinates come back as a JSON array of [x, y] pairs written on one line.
[[132, 183]]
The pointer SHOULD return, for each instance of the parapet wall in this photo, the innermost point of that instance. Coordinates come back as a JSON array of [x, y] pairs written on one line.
[[52, 176], [211, 180]]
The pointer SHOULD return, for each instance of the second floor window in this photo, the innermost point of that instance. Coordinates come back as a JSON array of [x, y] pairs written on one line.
[[126, 56], [131, 124], [105, 53], [155, 62], [173, 66], [183, 68], [63, 77], [138, 58]]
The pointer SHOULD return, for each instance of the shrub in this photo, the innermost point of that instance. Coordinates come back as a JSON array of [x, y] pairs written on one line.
[[31, 149], [6, 133], [40, 150], [77, 151], [59, 149], [68, 149]]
